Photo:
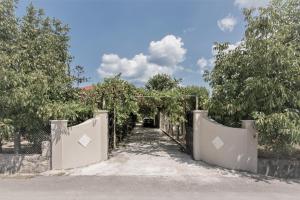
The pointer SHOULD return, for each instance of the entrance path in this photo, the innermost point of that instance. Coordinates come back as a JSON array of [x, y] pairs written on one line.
[[149, 152]]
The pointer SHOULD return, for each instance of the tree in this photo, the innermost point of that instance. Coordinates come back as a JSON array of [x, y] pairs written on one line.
[[78, 75], [161, 82], [8, 36], [191, 92], [35, 62], [260, 79], [119, 98]]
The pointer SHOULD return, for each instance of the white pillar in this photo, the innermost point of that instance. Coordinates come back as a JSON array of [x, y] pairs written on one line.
[[251, 144], [103, 116], [197, 118], [58, 129]]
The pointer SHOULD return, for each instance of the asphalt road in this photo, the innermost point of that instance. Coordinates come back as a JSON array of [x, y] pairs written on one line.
[[145, 187]]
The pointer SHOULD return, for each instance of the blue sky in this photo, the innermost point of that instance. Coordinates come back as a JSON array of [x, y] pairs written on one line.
[[140, 38]]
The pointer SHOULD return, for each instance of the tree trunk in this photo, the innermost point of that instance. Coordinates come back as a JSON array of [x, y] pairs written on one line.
[[172, 131], [115, 135], [178, 129], [1, 145]]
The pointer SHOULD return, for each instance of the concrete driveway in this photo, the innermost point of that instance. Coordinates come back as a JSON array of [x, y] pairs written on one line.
[[149, 152]]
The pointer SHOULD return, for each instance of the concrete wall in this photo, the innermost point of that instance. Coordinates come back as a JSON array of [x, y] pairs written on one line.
[[79, 145], [232, 148]]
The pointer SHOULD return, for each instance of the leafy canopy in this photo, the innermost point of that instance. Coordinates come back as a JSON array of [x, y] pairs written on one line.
[[260, 79]]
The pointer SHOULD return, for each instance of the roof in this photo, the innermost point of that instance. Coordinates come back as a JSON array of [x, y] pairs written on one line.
[[88, 87]]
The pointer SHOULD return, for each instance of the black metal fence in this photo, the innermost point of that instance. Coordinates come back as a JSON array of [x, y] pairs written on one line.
[[189, 132], [26, 141], [182, 133]]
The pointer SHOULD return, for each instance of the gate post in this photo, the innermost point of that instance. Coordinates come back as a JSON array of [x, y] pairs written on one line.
[[58, 129], [197, 123], [251, 144], [103, 116]]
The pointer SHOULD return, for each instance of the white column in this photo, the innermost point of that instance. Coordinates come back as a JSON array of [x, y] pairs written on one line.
[[251, 144], [197, 118], [58, 129], [103, 116]]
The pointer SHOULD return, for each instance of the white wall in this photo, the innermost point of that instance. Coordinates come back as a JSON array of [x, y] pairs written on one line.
[[233, 148], [68, 152]]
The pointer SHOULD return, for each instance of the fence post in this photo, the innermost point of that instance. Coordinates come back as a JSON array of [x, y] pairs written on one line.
[[197, 118], [58, 129], [251, 144], [46, 149]]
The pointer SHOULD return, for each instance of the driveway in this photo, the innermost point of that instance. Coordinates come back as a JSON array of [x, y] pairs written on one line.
[[149, 152]]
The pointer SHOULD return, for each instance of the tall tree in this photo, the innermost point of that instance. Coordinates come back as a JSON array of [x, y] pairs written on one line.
[[162, 82], [35, 62], [260, 79], [119, 98], [8, 48]]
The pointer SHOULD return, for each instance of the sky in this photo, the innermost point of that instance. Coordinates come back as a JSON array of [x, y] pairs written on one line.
[[141, 38]]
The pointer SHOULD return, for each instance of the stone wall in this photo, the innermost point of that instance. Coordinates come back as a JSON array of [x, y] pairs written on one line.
[[279, 168], [26, 163], [35, 163]]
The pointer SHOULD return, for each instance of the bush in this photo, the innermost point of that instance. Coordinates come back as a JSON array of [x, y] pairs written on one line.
[[278, 131]]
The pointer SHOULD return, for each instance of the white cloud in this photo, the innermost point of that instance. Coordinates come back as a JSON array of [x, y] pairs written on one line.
[[188, 30], [251, 3], [169, 51], [202, 63], [233, 46], [164, 57], [205, 64], [229, 48], [208, 64], [227, 23]]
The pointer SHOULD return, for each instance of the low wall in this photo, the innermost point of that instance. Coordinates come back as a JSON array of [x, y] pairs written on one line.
[[35, 163], [26, 163], [79, 145], [233, 148], [279, 168]]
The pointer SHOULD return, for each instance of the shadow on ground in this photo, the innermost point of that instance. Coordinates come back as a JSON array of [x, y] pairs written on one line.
[[149, 141]]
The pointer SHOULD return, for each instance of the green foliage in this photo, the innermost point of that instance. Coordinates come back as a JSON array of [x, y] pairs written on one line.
[[6, 129], [119, 98], [191, 92], [261, 75], [36, 83], [278, 130], [163, 94], [149, 102], [161, 82], [115, 93]]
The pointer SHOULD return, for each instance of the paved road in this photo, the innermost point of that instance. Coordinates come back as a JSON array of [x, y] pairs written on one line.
[[148, 166], [145, 187]]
